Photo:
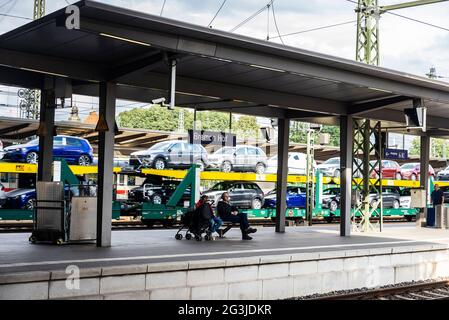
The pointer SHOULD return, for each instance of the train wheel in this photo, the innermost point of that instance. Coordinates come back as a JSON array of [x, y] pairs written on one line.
[[178, 236]]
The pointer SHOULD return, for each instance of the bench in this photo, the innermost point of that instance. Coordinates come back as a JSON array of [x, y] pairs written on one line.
[[227, 226]]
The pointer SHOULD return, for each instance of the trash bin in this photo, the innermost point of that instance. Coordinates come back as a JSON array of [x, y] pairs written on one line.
[[430, 220]]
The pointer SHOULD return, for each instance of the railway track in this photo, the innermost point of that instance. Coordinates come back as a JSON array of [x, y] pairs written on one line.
[[26, 226], [423, 291]]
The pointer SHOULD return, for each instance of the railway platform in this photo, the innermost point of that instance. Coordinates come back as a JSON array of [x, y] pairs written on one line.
[[153, 265]]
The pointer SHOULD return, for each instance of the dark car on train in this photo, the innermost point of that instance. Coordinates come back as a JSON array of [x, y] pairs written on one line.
[[156, 192], [170, 154], [391, 198], [243, 194]]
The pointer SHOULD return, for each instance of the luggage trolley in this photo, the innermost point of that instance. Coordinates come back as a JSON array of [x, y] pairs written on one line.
[[50, 222]]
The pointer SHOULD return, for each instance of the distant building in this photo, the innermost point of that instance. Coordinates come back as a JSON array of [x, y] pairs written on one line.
[[92, 118]]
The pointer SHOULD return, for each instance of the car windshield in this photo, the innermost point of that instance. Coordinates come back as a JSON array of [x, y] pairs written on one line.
[[332, 161], [225, 150], [161, 145], [409, 166], [222, 186], [33, 142], [331, 191]]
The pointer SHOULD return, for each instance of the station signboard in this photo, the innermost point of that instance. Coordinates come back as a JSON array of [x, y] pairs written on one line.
[[396, 154], [212, 138]]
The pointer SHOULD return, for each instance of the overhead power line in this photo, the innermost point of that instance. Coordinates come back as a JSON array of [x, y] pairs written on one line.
[[276, 23], [251, 17], [3, 15], [216, 14], [315, 29], [13, 16], [163, 6], [419, 21]]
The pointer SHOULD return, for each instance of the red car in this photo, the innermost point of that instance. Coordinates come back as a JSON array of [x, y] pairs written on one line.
[[411, 171], [390, 170]]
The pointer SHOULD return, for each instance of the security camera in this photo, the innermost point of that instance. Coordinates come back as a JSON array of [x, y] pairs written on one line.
[[158, 101]]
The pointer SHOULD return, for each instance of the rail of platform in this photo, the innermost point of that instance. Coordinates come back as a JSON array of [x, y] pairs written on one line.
[[206, 175]]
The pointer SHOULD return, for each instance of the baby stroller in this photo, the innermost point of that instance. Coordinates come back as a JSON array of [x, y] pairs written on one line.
[[196, 223]]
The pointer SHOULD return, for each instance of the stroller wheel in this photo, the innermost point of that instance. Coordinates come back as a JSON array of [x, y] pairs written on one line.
[[188, 236], [178, 236], [198, 238], [207, 237]]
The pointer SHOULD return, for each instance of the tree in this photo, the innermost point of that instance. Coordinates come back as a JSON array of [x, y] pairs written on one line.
[[154, 118], [439, 148], [246, 127], [298, 133], [213, 121]]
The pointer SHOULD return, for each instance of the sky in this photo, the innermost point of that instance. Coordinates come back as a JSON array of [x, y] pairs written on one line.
[[405, 45]]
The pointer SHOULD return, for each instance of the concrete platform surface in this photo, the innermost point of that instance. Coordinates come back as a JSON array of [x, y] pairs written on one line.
[[154, 246]]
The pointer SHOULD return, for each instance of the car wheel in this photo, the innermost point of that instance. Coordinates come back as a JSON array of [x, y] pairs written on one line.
[[29, 205], [32, 157], [413, 177], [256, 204], [398, 176], [226, 166], [157, 199], [373, 203], [159, 164], [84, 160], [260, 168], [396, 204], [333, 206]]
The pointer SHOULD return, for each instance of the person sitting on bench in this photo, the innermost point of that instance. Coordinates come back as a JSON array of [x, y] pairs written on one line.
[[229, 213]]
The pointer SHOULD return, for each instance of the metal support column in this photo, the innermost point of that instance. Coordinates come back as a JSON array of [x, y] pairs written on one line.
[[424, 167], [282, 173], [346, 145], [106, 128], [46, 131]]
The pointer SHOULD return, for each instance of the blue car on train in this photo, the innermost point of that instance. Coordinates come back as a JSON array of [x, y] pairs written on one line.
[[74, 150], [25, 198], [296, 198]]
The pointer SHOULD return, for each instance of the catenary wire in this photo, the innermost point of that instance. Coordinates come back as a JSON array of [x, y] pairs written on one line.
[[315, 29], [163, 7], [216, 14], [251, 17], [275, 23]]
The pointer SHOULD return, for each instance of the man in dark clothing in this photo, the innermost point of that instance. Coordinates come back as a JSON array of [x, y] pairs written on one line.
[[437, 196], [229, 213]]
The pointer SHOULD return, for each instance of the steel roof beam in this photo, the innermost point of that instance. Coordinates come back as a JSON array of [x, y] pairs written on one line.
[[361, 108], [46, 64], [14, 128]]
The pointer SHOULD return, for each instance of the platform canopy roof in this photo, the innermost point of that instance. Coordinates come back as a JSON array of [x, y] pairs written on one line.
[[216, 69]]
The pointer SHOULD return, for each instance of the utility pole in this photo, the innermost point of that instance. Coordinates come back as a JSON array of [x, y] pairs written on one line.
[[433, 74], [39, 9], [368, 16], [30, 99]]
